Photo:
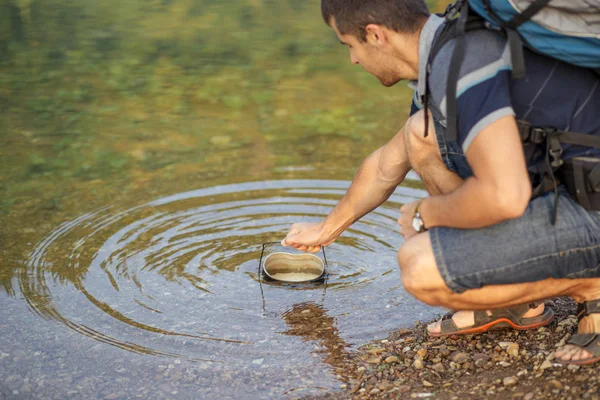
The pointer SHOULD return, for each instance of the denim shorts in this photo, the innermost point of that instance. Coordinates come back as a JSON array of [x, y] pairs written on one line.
[[525, 249]]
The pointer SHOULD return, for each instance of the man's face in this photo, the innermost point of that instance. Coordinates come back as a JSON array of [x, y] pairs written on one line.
[[373, 55]]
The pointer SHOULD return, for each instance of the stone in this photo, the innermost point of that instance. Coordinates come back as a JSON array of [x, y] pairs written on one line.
[[513, 350], [510, 381], [422, 353], [459, 357], [391, 359], [505, 345], [427, 383], [546, 365], [439, 367], [404, 388], [555, 384], [418, 364]]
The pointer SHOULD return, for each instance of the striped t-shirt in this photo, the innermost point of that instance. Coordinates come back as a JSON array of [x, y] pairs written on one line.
[[552, 94]]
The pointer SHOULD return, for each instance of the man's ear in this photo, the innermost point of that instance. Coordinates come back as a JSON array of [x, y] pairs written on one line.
[[376, 35]]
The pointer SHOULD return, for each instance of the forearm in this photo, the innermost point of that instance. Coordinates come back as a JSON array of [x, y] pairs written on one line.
[[373, 184], [476, 204]]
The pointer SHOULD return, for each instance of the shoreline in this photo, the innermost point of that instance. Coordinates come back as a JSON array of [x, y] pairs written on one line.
[[500, 364]]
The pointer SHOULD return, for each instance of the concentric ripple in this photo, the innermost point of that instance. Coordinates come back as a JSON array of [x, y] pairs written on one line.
[[178, 277]]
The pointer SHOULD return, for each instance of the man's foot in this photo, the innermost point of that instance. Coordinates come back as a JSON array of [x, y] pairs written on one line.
[[472, 322], [584, 347]]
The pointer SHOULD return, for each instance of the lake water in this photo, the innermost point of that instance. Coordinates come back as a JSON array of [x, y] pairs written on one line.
[[148, 150]]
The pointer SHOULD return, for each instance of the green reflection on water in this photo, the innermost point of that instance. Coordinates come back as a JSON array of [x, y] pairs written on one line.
[[121, 101]]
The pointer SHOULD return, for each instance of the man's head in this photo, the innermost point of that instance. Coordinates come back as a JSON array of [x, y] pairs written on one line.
[[382, 35]]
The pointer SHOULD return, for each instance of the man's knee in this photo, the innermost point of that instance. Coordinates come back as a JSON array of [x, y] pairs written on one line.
[[418, 146], [412, 272]]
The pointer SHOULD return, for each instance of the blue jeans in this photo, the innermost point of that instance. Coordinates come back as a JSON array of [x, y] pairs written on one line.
[[525, 249]]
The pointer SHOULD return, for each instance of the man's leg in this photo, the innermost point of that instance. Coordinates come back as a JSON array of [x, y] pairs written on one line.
[[422, 279], [426, 159]]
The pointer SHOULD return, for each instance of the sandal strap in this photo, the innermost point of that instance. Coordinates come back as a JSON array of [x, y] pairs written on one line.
[[587, 308], [588, 341], [447, 324], [513, 313]]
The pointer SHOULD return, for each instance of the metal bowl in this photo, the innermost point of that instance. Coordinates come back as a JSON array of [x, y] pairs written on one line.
[[286, 267]]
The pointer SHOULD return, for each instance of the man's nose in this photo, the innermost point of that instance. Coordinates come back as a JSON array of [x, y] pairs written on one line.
[[353, 59]]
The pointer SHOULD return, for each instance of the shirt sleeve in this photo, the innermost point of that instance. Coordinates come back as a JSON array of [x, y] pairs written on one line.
[[415, 105], [481, 103]]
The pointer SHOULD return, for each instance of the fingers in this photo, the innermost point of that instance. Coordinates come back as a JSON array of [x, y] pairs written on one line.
[[301, 247]]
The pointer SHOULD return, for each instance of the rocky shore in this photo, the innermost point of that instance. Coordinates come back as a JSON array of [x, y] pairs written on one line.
[[501, 364]]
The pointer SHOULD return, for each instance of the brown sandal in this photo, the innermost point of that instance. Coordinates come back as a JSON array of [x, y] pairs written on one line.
[[589, 342], [497, 319]]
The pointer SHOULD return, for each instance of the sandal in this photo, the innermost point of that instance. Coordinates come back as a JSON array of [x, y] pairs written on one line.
[[589, 342], [496, 319]]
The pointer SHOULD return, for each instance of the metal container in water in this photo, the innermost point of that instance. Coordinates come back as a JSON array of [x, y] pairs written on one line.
[[287, 267]]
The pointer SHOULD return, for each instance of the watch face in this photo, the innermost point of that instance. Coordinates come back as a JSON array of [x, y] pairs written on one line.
[[417, 224]]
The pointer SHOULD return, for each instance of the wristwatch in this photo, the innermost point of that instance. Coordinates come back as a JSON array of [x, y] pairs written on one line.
[[417, 222]]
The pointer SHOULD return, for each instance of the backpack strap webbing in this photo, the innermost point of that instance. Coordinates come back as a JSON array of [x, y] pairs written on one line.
[[510, 28], [586, 183], [454, 28]]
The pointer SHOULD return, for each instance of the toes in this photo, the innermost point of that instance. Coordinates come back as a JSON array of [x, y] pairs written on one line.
[[580, 354], [572, 353], [434, 327]]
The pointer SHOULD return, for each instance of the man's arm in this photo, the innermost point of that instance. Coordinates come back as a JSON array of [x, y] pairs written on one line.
[[373, 184], [499, 190]]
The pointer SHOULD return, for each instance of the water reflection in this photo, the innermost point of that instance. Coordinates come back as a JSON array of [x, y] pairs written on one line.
[[311, 322], [186, 266]]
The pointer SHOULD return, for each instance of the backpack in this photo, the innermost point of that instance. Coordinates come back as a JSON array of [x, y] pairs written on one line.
[[568, 30]]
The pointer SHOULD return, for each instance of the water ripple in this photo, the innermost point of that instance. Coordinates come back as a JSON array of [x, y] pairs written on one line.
[[177, 277]]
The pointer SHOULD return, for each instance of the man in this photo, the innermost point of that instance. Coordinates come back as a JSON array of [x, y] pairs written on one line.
[[482, 244]]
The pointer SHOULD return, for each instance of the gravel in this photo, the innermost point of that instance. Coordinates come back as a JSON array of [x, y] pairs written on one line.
[[501, 364]]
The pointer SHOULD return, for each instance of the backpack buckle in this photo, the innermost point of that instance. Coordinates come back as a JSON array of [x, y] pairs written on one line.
[[537, 135], [555, 149]]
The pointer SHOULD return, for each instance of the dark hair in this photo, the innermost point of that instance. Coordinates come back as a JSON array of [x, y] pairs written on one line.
[[352, 16]]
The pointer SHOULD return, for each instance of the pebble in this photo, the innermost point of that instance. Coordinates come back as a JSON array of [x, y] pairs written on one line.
[[404, 388], [505, 345], [418, 364], [392, 359], [555, 384], [513, 350], [546, 365], [510, 381], [422, 353], [459, 357], [439, 367], [427, 383]]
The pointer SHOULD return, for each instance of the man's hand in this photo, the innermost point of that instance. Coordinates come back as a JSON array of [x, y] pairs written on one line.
[[306, 237], [407, 212]]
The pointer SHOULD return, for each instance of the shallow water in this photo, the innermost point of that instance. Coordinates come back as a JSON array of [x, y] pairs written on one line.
[[143, 169], [178, 278]]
